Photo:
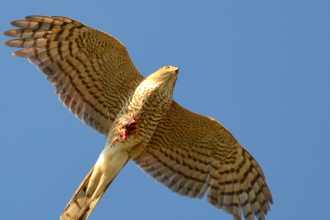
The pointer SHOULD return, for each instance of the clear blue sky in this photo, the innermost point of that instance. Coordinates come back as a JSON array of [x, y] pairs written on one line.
[[260, 68]]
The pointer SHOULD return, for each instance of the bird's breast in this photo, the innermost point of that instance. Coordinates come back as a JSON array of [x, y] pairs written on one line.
[[139, 118], [149, 107]]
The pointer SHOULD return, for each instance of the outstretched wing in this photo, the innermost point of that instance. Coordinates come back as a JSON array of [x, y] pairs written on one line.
[[91, 71], [193, 155]]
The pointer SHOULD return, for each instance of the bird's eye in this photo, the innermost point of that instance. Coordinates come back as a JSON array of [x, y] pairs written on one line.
[[166, 67]]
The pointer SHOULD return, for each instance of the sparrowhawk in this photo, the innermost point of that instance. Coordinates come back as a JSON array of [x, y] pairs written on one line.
[[94, 77]]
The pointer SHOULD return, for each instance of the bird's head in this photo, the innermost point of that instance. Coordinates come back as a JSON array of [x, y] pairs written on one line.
[[165, 77]]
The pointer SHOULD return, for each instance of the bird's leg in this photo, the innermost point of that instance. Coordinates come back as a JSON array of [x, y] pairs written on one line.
[[134, 127], [128, 127], [115, 140]]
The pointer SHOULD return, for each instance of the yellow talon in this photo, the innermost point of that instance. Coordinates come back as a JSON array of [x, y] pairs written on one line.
[[124, 129]]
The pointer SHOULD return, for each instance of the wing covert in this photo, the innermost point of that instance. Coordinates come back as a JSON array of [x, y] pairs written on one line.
[[194, 155], [91, 71]]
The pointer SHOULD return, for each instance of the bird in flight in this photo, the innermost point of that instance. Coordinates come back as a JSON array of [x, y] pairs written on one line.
[[95, 79]]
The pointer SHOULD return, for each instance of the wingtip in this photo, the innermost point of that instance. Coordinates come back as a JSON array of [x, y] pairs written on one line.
[[6, 33], [16, 54], [7, 43]]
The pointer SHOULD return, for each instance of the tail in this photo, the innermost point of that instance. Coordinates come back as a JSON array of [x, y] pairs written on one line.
[[93, 187], [80, 206]]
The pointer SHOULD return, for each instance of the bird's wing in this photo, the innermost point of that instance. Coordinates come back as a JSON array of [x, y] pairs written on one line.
[[193, 155], [91, 71]]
